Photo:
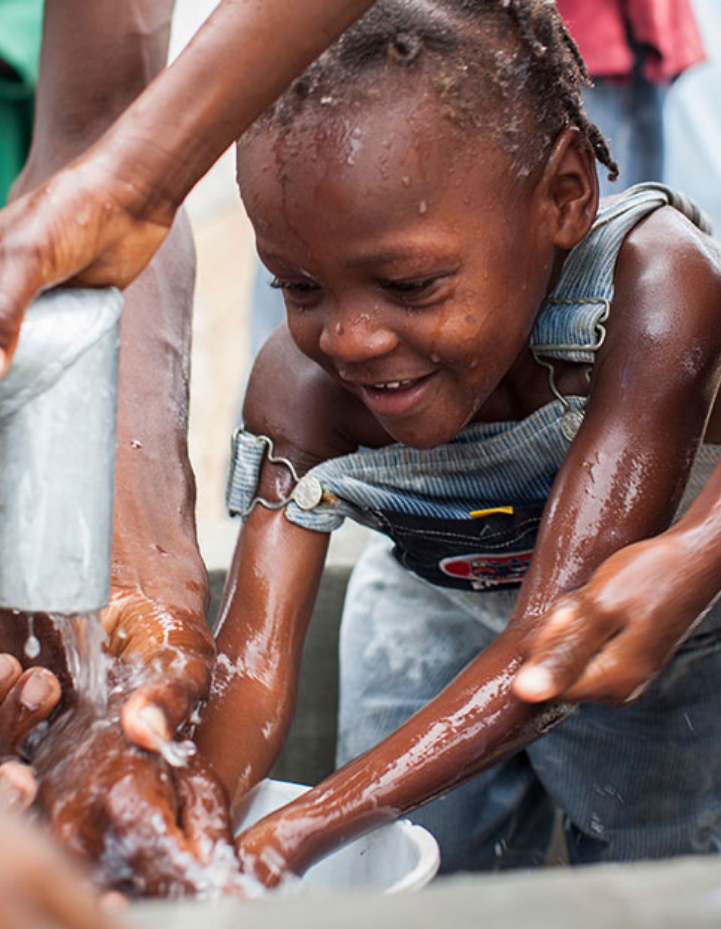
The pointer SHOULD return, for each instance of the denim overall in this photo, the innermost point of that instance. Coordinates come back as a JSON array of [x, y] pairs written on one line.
[[459, 523]]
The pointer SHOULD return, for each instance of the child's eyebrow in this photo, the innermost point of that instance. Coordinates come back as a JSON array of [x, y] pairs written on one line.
[[419, 255]]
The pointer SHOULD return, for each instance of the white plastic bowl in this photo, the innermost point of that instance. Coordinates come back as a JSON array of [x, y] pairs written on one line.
[[395, 858]]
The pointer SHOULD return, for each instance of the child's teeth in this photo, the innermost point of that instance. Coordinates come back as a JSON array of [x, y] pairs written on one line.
[[391, 385]]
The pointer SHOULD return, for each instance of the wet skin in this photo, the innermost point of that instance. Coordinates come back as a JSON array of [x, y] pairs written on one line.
[[314, 416], [100, 221], [450, 308]]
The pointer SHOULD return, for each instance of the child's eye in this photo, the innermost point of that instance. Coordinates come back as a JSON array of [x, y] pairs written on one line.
[[412, 290], [300, 291]]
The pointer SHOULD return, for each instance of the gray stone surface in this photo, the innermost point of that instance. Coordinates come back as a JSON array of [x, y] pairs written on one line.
[[683, 893]]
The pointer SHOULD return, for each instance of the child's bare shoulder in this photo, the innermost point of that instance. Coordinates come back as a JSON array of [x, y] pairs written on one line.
[[668, 287], [307, 413]]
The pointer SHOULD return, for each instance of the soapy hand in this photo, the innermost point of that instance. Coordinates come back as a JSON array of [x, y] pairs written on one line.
[[607, 641], [149, 827], [83, 225], [174, 653], [146, 827]]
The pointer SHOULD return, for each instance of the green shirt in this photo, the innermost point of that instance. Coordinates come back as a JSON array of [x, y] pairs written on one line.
[[20, 36]]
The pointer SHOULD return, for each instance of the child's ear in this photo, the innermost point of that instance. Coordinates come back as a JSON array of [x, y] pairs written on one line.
[[569, 188]]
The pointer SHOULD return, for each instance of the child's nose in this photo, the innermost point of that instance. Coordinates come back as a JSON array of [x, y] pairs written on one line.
[[356, 337]]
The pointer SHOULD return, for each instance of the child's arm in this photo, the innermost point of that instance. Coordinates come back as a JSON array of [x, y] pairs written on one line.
[[654, 382], [102, 219], [274, 577], [609, 638], [272, 585]]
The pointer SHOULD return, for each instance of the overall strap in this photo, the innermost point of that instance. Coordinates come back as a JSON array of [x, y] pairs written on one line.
[[571, 324]]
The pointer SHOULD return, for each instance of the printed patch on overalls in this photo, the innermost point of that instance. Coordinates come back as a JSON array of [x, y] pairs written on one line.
[[469, 554], [483, 571]]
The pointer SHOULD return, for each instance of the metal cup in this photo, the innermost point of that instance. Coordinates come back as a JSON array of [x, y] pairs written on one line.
[[57, 454]]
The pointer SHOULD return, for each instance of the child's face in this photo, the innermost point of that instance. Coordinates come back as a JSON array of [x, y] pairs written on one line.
[[412, 262]]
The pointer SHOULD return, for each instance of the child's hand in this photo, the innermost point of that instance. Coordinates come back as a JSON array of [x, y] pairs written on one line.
[[176, 651], [146, 828], [261, 855], [606, 641]]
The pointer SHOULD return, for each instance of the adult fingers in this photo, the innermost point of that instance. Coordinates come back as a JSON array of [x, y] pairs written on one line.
[[22, 259], [33, 697], [617, 675], [18, 786], [10, 671]]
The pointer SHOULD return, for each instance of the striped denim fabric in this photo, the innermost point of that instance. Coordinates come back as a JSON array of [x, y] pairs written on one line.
[[570, 324]]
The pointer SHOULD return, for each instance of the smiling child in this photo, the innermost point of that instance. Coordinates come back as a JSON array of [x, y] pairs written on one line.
[[509, 384]]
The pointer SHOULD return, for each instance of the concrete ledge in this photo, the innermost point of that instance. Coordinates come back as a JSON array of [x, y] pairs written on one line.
[[684, 892]]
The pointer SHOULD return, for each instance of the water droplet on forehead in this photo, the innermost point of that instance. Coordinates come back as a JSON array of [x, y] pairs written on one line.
[[423, 207]]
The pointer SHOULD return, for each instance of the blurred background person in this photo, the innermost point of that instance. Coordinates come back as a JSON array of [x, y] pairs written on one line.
[[20, 33], [693, 121], [634, 50]]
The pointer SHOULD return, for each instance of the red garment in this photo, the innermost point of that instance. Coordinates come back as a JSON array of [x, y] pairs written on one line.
[[601, 27]]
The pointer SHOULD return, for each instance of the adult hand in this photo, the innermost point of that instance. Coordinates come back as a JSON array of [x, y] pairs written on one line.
[[606, 641], [84, 225], [26, 699]]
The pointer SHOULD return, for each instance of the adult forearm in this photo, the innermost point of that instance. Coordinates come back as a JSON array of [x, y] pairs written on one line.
[[95, 60], [154, 537], [240, 60]]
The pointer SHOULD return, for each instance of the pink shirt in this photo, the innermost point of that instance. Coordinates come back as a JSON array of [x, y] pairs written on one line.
[[668, 26]]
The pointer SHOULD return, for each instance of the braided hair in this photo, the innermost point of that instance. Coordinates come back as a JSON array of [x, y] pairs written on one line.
[[494, 64]]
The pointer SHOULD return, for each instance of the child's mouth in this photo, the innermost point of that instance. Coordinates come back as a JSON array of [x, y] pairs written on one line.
[[393, 398]]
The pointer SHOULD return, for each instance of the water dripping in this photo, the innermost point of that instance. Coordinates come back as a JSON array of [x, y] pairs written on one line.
[[32, 643], [88, 663]]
